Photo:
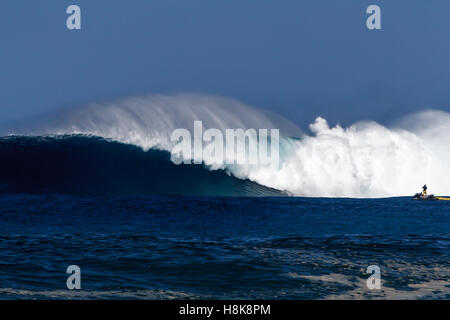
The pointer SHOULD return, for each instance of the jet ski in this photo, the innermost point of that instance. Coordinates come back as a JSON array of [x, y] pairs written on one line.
[[424, 196], [421, 196]]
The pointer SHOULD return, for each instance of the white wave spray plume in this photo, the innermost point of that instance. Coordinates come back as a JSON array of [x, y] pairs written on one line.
[[148, 121]]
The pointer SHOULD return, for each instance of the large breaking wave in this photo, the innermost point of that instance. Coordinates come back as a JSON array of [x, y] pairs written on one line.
[[363, 160]]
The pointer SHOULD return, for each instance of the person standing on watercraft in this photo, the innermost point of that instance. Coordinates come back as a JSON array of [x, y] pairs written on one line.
[[425, 196]]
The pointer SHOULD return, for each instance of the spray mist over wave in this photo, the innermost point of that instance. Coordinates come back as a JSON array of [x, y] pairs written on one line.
[[363, 160], [148, 121]]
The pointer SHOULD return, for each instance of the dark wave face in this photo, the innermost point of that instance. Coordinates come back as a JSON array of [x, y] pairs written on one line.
[[78, 164]]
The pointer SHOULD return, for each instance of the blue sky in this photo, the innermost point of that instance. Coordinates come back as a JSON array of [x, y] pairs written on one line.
[[299, 58]]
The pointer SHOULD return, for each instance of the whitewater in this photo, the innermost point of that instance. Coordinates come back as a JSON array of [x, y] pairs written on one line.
[[363, 160]]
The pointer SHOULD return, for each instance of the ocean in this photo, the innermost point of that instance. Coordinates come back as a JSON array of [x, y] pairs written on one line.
[[184, 247]]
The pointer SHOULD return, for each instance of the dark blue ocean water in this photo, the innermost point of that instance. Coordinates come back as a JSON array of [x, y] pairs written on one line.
[[156, 247]]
